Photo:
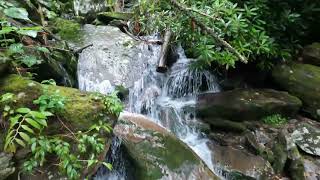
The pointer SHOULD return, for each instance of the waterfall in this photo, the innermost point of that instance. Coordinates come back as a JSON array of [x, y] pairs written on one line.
[[167, 98]]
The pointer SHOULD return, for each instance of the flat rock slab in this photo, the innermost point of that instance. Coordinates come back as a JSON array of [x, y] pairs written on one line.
[[307, 138]]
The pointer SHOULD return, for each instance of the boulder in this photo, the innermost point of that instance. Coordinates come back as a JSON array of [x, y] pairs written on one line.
[[311, 54], [107, 17], [156, 153], [303, 81], [245, 104], [115, 59], [6, 165], [238, 163], [81, 110], [307, 138]]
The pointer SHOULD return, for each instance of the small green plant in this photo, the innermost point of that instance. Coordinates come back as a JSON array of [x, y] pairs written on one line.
[[113, 104], [275, 120], [71, 161], [50, 101], [24, 123]]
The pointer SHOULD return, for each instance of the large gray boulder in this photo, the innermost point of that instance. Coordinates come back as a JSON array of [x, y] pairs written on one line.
[[114, 59], [245, 104], [303, 81], [158, 154]]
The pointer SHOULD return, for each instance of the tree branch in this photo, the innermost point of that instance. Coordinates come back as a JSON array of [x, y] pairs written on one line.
[[208, 30]]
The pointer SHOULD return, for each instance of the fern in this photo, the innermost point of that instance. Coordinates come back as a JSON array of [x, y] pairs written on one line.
[[24, 123]]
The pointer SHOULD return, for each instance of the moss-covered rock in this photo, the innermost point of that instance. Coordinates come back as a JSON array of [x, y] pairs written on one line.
[[225, 125], [81, 110], [156, 153], [303, 81], [107, 17], [311, 54], [246, 104]]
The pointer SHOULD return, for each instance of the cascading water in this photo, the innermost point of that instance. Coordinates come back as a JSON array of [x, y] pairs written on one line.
[[167, 98]]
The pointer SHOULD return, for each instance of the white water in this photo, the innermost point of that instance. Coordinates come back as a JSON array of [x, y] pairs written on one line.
[[169, 99]]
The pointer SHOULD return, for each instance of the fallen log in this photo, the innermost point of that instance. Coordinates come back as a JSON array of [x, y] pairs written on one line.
[[162, 63]]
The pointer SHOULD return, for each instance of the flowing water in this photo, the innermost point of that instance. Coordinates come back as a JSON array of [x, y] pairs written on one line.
[[167, 98]]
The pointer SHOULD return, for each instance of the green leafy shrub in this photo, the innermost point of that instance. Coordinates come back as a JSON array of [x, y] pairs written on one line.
[[264, 31], [275, 120], [53, 102]]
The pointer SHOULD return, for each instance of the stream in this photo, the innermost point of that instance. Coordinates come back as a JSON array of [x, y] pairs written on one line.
[[166, 98]]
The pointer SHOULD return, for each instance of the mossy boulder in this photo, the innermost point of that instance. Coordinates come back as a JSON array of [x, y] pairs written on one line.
[[107, 17], [246, 104], [311, 54], [81, 110], [156, 153], [225, 125], [303, 81]]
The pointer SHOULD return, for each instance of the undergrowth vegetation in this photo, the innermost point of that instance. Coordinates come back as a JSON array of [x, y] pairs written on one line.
[[75, 152], [275, 120], [263, 31]]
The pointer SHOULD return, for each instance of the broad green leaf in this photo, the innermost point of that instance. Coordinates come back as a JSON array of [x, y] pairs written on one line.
[[29, 60], [37, 115], [25, 127], [43, 122], [6, 30], [33, 123], [31, 33], [17, 13], [16, 48], [47, 113], [20, 142], [14, 120], [25, 136], [107, 165], [23, 110], [43, 49]]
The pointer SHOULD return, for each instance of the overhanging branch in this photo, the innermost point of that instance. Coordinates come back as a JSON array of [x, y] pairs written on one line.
[[208, 30]]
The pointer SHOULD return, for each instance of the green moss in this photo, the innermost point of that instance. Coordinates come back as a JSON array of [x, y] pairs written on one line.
[[81, 110], [301, 80], [67, 29], [107, 17], [160, 154]]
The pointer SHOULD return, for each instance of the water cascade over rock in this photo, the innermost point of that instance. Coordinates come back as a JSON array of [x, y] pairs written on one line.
[[168, 99]]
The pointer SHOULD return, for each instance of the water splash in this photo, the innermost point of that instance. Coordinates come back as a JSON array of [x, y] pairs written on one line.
[[169, 99]]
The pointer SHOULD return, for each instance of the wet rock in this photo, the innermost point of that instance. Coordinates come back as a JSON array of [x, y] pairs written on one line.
[[312, 168], [225, 125], [6, 165], [279, 150], [233, 160], [257, 146], [311, 54], [107, 17], [115, 59], [156, 153], [246, 104], [303, 81], [307, 138]]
